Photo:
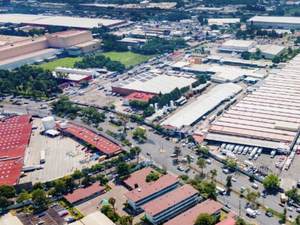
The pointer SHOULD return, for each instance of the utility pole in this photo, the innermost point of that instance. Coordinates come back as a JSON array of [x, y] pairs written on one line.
[[240, 207]]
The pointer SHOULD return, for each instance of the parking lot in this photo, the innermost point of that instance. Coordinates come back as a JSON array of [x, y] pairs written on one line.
[[63, 156]]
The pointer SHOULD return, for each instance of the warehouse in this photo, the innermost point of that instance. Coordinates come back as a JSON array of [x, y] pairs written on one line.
[[237, 46], [205, 104], [223, 21], [267, 51], [268, 116], [275, 22], [152, 83], [62, 21]]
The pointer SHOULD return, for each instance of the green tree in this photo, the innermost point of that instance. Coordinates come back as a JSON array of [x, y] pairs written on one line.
[[105, 209], [229, 182], [38, 185], [209, 190], [231, 164], [123, 169], [257, 52], [24, 196], [201, 163], [183, 177], [112, 106], [240, 221], [77, 174], [112, 202], [102, 179], [140, 134], [39, 197], [283, 215], [292, 193], [205, 219], [276, 59], [297, 220], [189, 160], [252, 195], [213, 174], [271, 182], [4, 202], [135, 151], [7, 191], [84, 83], [202, 150], [152, 177], [246, 55], [59, 186]]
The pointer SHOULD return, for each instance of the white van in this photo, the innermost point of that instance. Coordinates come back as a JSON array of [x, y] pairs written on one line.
[[255, 186]]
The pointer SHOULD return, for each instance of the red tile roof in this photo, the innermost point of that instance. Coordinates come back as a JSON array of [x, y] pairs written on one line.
[[227, 221], [140, 96], [151, 188], [138, 177], [188, 218], [98, 141], [14, 137], [82, 193], [169, 200]]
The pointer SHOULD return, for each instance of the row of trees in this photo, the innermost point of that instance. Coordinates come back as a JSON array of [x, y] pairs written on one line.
[[29, 81], [64, 107], [99, 61], [159, 46], [253, 31]]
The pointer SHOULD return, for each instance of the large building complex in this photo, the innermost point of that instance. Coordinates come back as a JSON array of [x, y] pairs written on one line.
[[29, 51], [269, 117], [15, 134], [275, 22], [152, 83], [205, 104], [150, 191], [62, 21], [237, 46], [171, 204]]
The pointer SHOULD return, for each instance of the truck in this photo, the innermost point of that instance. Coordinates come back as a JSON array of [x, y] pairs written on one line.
[[287, 164], [212, 118], [220, 190], [273, 153], [250, 212], [225, 152], [248, 163], [283, 197], [43, 156], [28, 168], [230, 155]]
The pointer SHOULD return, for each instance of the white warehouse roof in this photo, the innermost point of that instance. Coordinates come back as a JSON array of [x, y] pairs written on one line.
[[207, 102], [154, 83], [275, 19], [221, 21], [239, 43]]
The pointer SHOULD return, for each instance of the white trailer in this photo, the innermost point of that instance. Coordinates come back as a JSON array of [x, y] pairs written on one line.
[[248, 163], [287, 164], [28, 168], [250, 213], [224, 152], [43, 156], [230, 155]]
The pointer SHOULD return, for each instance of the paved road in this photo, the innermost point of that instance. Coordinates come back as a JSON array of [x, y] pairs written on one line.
[[159, 150]]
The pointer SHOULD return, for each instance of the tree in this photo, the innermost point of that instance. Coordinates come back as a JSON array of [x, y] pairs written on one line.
[[209, 190], [4, 202], [177, 151], [38, 185], [112, 202], [123, 169], [102, 179], [276, 59], [7, 191], [24, 196], [202, 151], [292, 193], [231, 164], [183, 177], [246, 55], [129, 219], [201, 163], [271, 182], [77, 174], [135, 151], [152, 177], [257, 52], [297, 220], [214, 27], [205, 219], [83, 84], [140, 134], [229, 182], [213, 174], [59, 186], [124, 118], [240, 221], [283, 215], [189, 160], [39, 197], [252, 195]]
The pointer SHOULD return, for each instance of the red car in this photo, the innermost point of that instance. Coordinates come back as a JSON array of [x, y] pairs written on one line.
[[281, 204], [298, 151]]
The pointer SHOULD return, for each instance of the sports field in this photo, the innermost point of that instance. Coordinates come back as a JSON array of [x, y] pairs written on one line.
[[127, 58]]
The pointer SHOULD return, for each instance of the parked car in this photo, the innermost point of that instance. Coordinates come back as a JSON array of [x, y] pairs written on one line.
[[180, 168], [268, 214], [281, 204]]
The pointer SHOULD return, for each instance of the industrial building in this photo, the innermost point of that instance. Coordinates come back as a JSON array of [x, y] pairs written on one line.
[[269, 117], [189, 217], [133, 41], [204, 105], [171, 204], [267, 51], [150, 191], [62, 21], [275, 22], [13, 55], [15, 134], [237, 46], [87, 72], [222, 21], [152, 83], [139, 96]]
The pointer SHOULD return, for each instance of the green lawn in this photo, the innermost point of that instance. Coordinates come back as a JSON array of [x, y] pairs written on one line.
[[127, 58]]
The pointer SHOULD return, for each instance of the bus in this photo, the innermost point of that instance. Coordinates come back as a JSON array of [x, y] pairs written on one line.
[[220, 190]]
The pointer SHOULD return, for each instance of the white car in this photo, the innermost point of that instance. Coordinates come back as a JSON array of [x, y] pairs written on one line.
[[233, 179], [290, 209]]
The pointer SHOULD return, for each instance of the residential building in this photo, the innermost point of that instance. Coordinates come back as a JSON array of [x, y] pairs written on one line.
[[171, 204]]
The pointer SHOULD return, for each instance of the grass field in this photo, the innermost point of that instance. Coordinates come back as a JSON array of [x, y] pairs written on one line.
[[127, 58]]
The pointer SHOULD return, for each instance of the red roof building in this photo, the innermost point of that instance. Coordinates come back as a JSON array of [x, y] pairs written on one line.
[[227, 221], [140, 96], [101, 143], [138, 177], [83, 194], [14, 137], [171, 204], [152, 190], [188, 217]]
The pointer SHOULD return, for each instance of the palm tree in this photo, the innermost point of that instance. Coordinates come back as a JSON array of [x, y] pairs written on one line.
[[228, 182], [201, 163], [189, 160], [112, 202], [213, 174]]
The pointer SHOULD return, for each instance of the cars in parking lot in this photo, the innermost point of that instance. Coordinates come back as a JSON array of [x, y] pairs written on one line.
[[180, 168], [228, 206], [268, 214], [281, 204]]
